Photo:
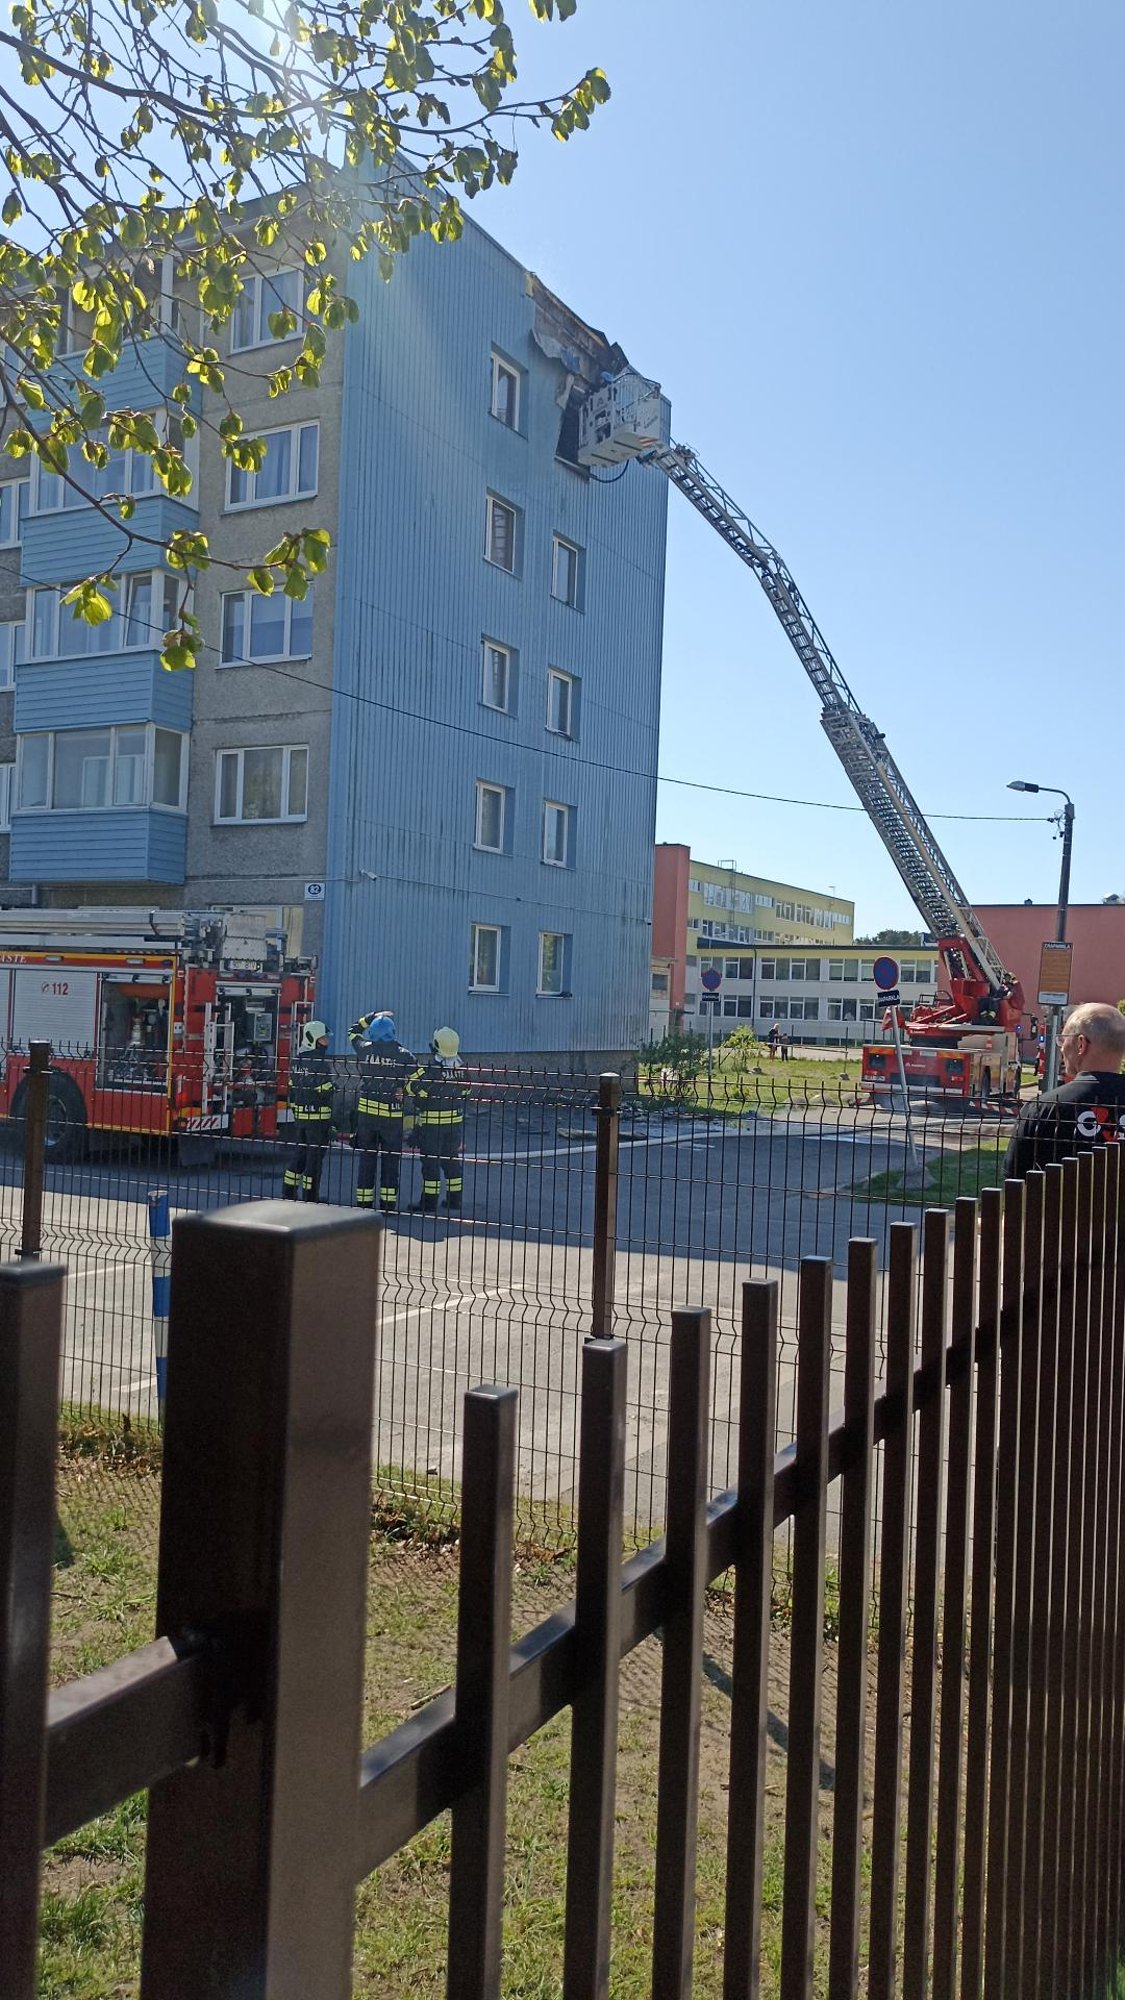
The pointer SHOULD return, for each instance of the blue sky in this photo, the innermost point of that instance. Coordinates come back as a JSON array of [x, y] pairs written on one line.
[[873, 254]]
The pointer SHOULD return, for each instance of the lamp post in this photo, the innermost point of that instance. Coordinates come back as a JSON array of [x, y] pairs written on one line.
[[1050, 1067]]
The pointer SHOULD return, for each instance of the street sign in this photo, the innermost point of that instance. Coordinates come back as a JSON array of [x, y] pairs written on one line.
[[890, 995], [711, 980], [885, 973], [1055, 962], [314, 892]]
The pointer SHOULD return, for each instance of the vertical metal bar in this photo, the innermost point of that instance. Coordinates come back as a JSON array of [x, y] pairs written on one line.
[[1110, 1826], [892, 1614], [980, 1629], [1073, 1642], [1061, 1199], [959, 1484], [30, 1346], [1026, 1335], [923, 1659], [806, 1645], [685, 1564], [1008, 1497], [608, 1123], [1102, 1967], [1092, 1508], [750, 1674], [484, 1639], [35, 1147], [856, 1497], [250, 1880], [597, 1635], [1042, 1251], [1116, 1807]]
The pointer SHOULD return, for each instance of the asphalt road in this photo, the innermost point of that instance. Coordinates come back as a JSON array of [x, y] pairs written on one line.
[[504, 1294]]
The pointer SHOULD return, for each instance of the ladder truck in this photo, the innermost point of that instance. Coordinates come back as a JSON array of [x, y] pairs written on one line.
[[965, 1043]]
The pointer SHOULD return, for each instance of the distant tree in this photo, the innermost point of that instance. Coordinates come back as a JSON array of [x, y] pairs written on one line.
[[895, 940], [191, 146], [671, 1065]]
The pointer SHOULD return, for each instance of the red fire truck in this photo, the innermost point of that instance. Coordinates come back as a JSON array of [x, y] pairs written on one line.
[[161, 1022]]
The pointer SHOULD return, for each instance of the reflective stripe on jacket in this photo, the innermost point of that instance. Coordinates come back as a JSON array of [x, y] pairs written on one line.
[[311, 1088], [384, 1082], [439, 1096]]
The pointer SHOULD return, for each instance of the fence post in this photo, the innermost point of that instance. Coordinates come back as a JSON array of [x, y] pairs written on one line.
[[251, 1862], [608, 1121], [160, 1247], [34, 1147], [30, 1322]]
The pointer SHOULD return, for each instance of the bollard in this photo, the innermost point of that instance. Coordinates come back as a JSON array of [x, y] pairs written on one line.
[[160, 1247], [34, 1147]]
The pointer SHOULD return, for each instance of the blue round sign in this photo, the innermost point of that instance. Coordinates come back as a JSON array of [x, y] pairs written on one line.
[[885, 974], [711, 980]]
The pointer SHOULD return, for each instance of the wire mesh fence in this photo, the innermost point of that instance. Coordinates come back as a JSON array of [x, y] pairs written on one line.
[[738, 1176]]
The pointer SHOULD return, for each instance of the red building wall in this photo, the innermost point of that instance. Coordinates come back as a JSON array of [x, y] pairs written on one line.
[[671, 869], [1096, 930]]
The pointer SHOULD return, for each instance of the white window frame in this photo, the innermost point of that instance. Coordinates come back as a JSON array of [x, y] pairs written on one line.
[[252, 286], [475, 933], [239, 750], [562, 991], [488, 786], [558, 677], [13, 635], [7, 792], [19, 506], [146, 802], [296, 491], [551, 806], [574, 597], [492, 501], [139, 476], [502, 366], [165, 585], [249, 659], [507, 707]]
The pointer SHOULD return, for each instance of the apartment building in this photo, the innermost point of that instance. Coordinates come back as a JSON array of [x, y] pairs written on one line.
[[435, 770]]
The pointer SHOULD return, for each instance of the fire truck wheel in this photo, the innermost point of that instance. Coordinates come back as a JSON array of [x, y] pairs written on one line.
[[66, 1119]]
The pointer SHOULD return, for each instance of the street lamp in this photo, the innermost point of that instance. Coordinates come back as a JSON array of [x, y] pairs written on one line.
[[1050, 1067]]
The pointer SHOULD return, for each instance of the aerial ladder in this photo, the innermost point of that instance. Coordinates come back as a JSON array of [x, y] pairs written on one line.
[[964, 1043]]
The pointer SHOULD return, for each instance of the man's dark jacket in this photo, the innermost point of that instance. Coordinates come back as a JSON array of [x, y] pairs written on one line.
[[1078, 1117]]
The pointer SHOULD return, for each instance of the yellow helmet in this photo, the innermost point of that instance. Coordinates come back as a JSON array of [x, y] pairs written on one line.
[[446, 1044]]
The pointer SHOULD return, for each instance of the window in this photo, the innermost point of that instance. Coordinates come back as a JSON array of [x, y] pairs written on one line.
[[867, 1010], [557, 834], [146, 606], [560, 702], [498, 679], [566, 564], [505, 393], [266, 628], [841, 1010], [7, 773], [287, 472], [484, 958], [745, 1007], [500, 534], [262, 297], [266, 783], [844, 968], [130, 472], [86, 770], [13, 499], [11, 650], [554, 969], [491, 823]]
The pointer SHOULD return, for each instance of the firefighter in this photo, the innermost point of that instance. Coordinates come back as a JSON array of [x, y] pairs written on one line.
[[439, 1090], [311, 1091], [384, 1102]]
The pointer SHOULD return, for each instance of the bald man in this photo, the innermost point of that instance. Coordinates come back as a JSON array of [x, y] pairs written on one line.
[[1086, 1112]]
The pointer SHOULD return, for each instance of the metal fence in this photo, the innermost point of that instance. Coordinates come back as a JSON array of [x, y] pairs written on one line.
[[992, 1859], [687, 1194]]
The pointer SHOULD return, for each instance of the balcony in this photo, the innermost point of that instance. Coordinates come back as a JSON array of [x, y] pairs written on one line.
[[99, 690], [128, 844]]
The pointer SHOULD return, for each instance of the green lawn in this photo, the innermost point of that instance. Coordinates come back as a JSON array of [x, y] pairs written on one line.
[[954, 1174]]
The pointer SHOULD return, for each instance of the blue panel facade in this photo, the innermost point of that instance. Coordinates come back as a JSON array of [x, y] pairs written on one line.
[[103, 689], [411, 736], [129, 845], [77, 542]]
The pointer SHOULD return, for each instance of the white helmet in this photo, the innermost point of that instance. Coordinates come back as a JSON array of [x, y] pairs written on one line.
[[312, 1033]]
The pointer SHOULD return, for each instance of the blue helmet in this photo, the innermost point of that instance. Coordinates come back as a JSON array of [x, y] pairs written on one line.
[[381, 1028]]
